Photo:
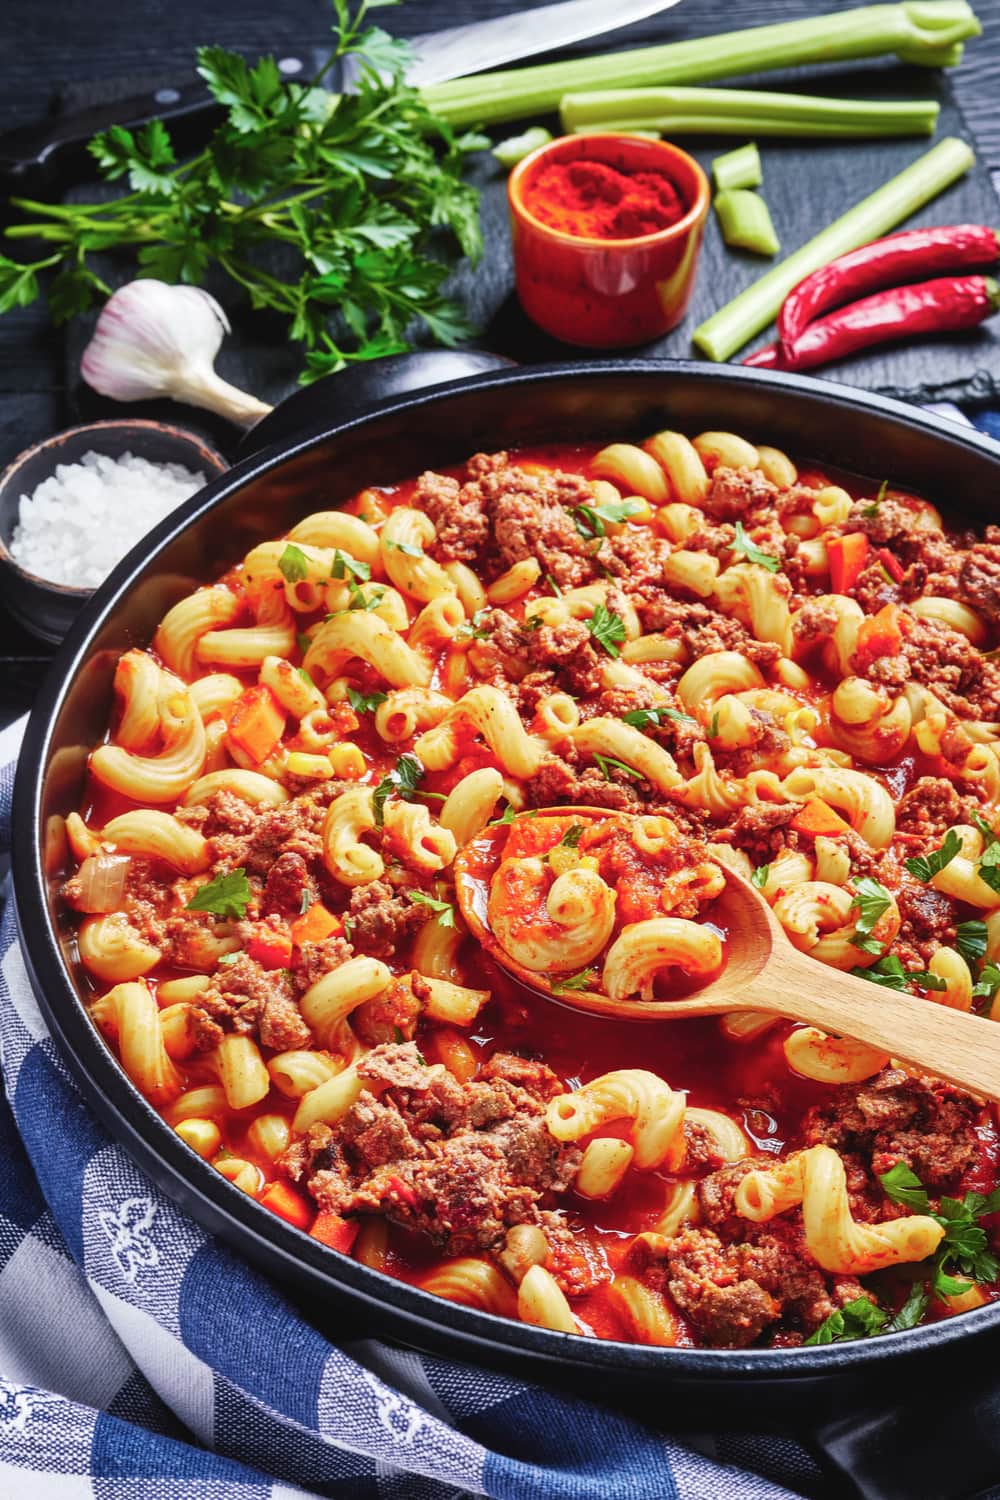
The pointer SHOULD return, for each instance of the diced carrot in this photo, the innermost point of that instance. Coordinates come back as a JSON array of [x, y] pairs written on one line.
[[332, 1229], [270, 947], [882, 635], [257, 723], [819, 820], [891, 564], [315, 924], [848, 556], [283, 1200]]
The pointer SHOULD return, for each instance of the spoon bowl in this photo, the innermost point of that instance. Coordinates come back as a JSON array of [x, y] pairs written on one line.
[[765, 972]]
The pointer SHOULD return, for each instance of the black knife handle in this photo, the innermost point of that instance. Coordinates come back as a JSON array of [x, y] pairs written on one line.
[[54, 153]]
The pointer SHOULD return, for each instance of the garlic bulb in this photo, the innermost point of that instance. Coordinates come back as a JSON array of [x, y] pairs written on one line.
[[154, 340]]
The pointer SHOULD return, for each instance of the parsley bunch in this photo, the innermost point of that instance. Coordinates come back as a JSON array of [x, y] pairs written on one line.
[[323, 208]]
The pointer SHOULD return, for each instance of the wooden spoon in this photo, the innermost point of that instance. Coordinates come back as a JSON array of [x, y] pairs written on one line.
[[764, 972]]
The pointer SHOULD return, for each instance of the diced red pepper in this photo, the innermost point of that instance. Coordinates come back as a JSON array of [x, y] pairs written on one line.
[[270, 947], [315, 925], [848, 556]]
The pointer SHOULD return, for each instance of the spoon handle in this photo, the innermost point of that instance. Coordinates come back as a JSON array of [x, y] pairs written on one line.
[[963, 1049]]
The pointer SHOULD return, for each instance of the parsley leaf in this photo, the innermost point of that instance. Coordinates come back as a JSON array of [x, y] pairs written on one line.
[[970, 940], [306, 902], [364, 703], [226, 896], [987, 984], [574, 982], [590, 519], [902, 1185], [872, 901], [713, 728], [911, 1312], [642, 718], [743, 544], [571, 838], [507, 816], [872, 510], [553, 585], [925, 866], [293, 564], [444, 910], [360, 600], [409, 548], [989, 866], [889, 972], [859, 1319], [989, 837], [759, 877], [607, 628], [401, 781], [231, 958], [303, 641], [345, 566], [607, 763]]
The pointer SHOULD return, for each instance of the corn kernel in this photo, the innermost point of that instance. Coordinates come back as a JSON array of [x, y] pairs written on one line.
[[299, 763], [347, 761], [203, 1136]]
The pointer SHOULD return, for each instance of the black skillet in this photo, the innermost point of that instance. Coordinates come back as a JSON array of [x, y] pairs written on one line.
[[903, 1417]]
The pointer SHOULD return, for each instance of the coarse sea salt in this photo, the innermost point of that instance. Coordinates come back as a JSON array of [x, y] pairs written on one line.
[[83, 519]]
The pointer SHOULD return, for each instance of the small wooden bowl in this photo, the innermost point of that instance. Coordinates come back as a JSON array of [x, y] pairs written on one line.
[[45, 608], [600, 293]]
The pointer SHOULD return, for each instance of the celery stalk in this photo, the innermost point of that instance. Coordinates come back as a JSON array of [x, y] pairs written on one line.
[[736, 323], [745, 221], [929, 32], [677, 111], [738, 169]]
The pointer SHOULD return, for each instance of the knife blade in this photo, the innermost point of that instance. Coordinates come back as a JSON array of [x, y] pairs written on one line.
[[52, 152], [483, 45]]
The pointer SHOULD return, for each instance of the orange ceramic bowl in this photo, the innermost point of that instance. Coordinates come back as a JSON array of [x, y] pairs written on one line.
[[603, 293]]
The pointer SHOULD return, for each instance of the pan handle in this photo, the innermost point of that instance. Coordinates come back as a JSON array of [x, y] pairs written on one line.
[[941, 1438], [351, 392]]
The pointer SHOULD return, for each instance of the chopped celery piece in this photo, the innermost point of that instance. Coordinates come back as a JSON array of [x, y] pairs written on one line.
[[738, 169], [516, 147], [928, 32], [736, 323], [680, 111], [745, 221]]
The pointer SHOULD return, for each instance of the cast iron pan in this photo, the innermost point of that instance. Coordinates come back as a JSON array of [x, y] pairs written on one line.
[[904, 1416]]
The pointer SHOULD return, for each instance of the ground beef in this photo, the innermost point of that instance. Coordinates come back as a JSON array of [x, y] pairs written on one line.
[[392, 1015], [559, 781], [636, 556], [716, 1193], [931, 806], [246, 998], [704, 630], [733, 493], [927, 919], [294, 827], [575, 1260], [531, 520], [979, 580], [873, 589], [814, 622], [381, 919], [893, 1117], [965, 680], [459, 516], [458, 1162], [761, 829], [287, 881], [312, 960]]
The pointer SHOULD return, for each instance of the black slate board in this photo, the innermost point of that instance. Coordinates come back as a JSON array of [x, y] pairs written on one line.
[[807, 184]]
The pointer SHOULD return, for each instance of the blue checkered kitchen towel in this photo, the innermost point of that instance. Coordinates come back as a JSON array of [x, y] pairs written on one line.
[[140, 1360]]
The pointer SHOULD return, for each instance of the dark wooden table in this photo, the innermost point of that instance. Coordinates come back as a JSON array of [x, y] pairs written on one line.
[[58, 52]]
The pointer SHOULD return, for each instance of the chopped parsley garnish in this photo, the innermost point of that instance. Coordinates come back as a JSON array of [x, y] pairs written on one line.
[[742, 543], [306, 902], [607, 628], [444, 910], [231, 958], [360, 600], [507, 816], [364, 703], [348, 926], [872, 509], [293, 563], [474, 629], [860, 1319], [642, 718], [925, 866], [574, 981], [303, 642], [965, 1247], [911, 1312], [571, 838], [607, 763], [989, 837], [401, 781], [713, 728], [889, 973], [226, 896], [987, 984], [409, 548], [970, 940], [759, 877], [872, 901], [345, 566], [989, 866], [591, 520], [305, 676], [553, 585]]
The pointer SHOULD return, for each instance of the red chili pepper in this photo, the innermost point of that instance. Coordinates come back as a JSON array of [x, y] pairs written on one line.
[[892, 261], [943, 305]]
